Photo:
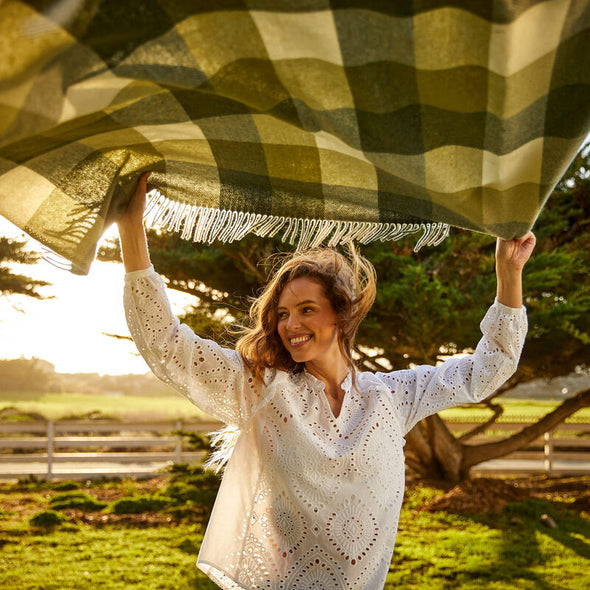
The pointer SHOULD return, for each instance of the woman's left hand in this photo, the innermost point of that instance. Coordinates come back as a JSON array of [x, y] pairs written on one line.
[[513, 254]]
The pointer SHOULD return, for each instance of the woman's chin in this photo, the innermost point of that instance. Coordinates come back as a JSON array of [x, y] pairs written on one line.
[[300, 356]]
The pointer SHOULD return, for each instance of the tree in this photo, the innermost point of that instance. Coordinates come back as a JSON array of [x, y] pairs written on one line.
[[429, 304], [14, 251], [27, 375]]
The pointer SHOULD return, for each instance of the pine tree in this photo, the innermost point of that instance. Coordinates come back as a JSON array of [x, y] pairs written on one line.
[[14, 251]]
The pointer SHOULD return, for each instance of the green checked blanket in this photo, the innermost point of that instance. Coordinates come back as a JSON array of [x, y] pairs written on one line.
[[322, 120]]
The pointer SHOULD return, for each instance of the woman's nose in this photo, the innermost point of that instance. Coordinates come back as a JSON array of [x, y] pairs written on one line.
[[292, 321]]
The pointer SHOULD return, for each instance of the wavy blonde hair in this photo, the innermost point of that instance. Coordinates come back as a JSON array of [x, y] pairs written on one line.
[[349, 283]]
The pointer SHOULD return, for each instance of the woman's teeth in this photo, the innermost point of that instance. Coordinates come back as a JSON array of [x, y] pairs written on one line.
[[299, 339]]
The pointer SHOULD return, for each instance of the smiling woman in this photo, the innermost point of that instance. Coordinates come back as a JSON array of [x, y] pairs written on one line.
[[312, 492], [307, 318]]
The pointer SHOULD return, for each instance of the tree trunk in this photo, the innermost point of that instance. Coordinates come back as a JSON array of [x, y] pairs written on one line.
[[432, 452]]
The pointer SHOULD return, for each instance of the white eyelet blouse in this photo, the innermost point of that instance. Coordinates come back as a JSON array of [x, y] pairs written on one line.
[[309, 500]]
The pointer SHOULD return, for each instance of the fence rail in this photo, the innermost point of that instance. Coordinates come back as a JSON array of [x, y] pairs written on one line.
[[563, 450], [148, 448], [112, 449]]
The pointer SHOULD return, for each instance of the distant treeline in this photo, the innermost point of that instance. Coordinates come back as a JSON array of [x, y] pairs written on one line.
[[35, 374]]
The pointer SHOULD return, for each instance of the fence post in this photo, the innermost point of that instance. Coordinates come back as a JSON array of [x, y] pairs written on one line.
[[50, 435], [178, 446], [548, 452]]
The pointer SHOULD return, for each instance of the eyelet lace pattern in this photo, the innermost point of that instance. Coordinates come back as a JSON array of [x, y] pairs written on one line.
[[309, 500]]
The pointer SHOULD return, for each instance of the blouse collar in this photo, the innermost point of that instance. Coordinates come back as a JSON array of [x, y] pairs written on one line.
[[318, 384]]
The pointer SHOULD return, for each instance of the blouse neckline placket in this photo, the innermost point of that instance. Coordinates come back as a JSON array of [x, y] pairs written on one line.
[[320, 389]]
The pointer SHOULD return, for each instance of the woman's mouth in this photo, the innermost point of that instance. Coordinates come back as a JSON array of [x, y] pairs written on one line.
[[298, 341]]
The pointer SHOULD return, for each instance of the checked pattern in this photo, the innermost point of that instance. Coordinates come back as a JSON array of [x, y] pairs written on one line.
[[322, 120]]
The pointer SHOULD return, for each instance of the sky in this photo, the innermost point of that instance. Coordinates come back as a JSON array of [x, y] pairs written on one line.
[[69, 330]]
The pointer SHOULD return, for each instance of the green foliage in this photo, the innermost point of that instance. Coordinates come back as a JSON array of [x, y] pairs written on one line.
[[192, 491], [188, 546], [66, 486], [77, 500], [47, 518], [137, 505], [14, 251]]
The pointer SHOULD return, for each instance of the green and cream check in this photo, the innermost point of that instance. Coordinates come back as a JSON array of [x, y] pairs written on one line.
[[321, 120]]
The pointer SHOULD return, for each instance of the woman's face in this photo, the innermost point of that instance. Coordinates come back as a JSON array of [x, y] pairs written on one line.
[[307, 323]]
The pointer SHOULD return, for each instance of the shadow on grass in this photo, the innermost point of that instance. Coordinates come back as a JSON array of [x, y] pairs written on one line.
[[508, 550], [523, 534]]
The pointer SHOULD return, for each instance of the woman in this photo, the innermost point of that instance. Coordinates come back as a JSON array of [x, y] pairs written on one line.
[[312, 492]]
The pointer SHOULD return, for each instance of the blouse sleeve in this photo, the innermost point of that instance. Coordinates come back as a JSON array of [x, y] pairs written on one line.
[[421, 392], [212, 377]]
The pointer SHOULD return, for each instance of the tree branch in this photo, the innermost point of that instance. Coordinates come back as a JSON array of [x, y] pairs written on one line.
[[476, 454], [498, 411]]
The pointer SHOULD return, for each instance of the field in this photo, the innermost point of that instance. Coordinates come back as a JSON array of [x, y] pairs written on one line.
[[56, 406], [514, 409], [156, 550]]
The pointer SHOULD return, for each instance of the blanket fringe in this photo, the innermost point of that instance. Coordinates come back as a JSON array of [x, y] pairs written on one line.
[[206, 224]]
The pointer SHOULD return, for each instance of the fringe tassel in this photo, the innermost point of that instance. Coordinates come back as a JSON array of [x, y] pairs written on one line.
[[223, 441], [206, 224]]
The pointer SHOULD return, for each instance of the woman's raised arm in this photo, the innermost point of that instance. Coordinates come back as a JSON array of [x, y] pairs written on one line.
[[134, 247], [511, 256]]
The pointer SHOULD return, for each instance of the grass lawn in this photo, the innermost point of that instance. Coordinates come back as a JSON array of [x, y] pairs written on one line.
[[56, 406], [507, 550], [80, 557], [514, 409]]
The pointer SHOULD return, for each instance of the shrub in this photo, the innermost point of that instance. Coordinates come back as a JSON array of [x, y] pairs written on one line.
[[47, 518], [182, 492], [78, 500], [192, 491], [138, 504], [66, 486]]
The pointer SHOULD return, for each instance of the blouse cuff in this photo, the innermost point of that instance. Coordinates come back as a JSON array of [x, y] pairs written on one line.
[[139, 274], [509, 310]]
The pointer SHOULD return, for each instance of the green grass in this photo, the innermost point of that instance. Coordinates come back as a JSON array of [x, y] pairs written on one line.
[[447, 551], [56, 406], [513, 409], [82, 557], [435, 551]]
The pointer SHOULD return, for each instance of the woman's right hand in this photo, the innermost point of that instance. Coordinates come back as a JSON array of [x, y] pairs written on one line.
[[133, 217], [134, 246]]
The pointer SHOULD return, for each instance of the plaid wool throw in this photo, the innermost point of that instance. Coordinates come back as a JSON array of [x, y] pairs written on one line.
[[321, 120]]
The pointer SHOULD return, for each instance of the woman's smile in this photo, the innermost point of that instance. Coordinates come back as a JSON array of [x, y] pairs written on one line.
[[298, 341]]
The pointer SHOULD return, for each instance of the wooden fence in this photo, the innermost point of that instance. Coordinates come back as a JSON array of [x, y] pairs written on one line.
[[90, 449], [564, 450], [52, 450]]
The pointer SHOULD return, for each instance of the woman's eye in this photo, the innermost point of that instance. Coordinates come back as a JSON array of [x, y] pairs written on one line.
[[281, 315], [307, 309]]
